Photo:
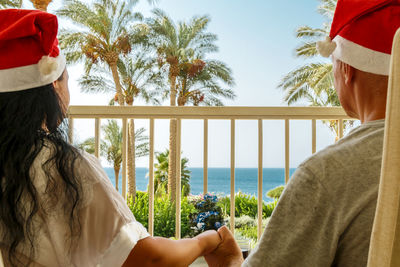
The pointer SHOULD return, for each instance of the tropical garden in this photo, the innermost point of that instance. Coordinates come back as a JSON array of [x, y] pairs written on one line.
[[159, 60]]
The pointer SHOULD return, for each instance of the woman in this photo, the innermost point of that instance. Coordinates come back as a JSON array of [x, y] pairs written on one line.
[[57, 206]]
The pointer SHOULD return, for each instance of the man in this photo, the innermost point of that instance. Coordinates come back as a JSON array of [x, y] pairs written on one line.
[[326, 213]]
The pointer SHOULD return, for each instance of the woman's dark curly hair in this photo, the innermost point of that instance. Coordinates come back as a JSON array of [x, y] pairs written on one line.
[[29, 120]]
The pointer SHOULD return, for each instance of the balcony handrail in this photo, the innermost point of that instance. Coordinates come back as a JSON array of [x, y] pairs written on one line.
[[225, 112]]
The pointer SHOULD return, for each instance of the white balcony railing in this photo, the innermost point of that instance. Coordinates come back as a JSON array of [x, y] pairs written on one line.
[[205, 113]]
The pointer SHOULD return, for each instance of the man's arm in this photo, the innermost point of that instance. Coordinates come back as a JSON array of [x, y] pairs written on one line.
[[158, 251]]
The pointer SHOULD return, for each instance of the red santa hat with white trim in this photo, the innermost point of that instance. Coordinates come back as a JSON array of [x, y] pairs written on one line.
[[29, 53], [362, 34]]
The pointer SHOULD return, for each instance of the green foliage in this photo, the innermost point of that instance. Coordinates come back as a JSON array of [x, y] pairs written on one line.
[[164, 213], [111, 144], [276, 192], [313, 82], [246, 227], [245, 221], [246, 205], [182, 50], [248, 232], [161, 173], [138, 78], [10, 4]]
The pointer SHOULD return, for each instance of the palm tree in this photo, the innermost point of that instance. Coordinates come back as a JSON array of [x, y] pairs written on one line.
[[161, 173], [106, 32], [313, 82], [137, 77], [111, 145], [10, 4], [181, 48]]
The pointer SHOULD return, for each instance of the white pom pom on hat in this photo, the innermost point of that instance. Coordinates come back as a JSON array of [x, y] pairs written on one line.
[[47, 65], [362, 34], [30, 56], [326, 47]]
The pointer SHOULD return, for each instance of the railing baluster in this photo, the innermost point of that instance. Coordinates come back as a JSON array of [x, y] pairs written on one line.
[[232, 215], [205, 158], [314, 135], [151, 178], [97, 137], [287, 173], [124, 154], [260, 178], [341, 128], [71, 130], [178, 180]]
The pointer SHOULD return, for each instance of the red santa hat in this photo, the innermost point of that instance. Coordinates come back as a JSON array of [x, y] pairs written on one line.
[[29, 53], [362, 34]]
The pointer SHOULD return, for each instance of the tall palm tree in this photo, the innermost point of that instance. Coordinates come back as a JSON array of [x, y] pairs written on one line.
[[111, 145], [10, 4], [161, 173], [137, 77], [313, 82], [178, 47], [106, 31]]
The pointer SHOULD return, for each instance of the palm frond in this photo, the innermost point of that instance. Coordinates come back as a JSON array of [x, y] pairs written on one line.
[[307, 50], [10, 4]]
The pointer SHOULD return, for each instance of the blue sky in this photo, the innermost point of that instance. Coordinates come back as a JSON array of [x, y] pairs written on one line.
[[257, 40]]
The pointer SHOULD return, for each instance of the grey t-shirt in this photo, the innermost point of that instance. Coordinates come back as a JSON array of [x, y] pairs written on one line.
[[325, 215]]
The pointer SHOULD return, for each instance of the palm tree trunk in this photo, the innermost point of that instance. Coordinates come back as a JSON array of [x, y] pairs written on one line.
[[117, 82], [131, 160], [41, 4], [172, 146], [116, 174]]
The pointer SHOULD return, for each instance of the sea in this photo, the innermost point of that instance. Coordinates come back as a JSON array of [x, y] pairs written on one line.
[[219, 180]]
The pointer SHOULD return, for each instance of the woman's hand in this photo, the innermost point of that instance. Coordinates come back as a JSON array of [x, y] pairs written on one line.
[[208, 241]]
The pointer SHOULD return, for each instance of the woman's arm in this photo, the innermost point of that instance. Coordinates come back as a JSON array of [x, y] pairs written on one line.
[[158, 251]]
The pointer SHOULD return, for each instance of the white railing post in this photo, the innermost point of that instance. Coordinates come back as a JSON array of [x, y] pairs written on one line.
[[71, 130], [124, 154], [151, 178], [178, 180], [97, 137], [260, 179], [205, 158], [232, 213], [287, 170], [341, 128], [314, 135]]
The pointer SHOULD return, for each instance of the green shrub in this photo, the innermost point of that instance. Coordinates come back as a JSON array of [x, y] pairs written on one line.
[[248, 230], [245, 221], [276, 192], [245, 205], [164, 214]]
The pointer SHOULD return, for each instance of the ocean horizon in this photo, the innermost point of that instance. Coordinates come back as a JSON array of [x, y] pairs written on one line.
[[218, 180]]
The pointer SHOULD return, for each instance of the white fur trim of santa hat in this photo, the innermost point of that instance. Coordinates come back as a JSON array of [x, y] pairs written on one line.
[[46, 71], [360, 57]]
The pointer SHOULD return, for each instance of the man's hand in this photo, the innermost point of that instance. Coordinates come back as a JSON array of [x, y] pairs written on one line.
[[227, 254]]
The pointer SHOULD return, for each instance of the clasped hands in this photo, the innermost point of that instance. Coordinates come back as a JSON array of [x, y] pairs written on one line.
[[221, 248]]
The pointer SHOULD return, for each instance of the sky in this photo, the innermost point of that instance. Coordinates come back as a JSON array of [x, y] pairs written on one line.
[[256, 39]]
